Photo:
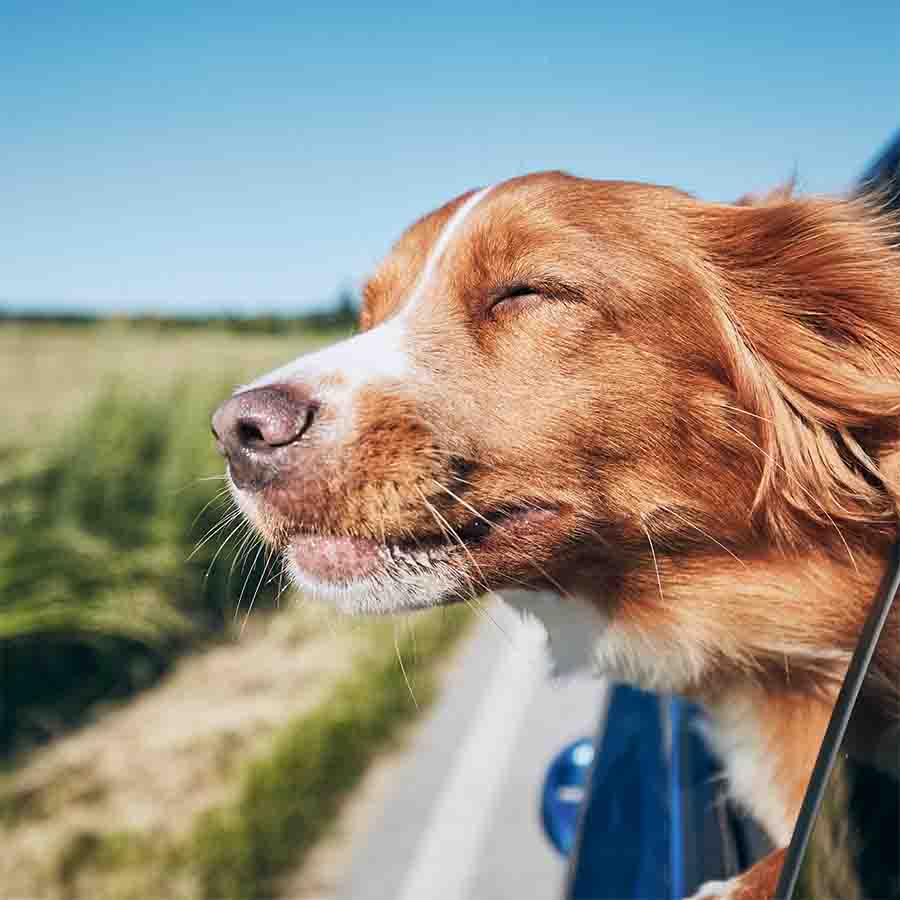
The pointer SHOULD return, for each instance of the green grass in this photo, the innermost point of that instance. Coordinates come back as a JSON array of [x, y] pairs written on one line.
[[97, 593]]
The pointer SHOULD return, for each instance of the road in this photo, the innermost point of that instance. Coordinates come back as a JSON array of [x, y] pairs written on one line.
[[461, 816]]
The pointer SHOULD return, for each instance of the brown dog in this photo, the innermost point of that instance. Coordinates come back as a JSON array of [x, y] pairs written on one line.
[[670, 427]]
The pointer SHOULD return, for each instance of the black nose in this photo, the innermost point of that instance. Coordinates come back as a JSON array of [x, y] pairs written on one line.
[[256, 428]]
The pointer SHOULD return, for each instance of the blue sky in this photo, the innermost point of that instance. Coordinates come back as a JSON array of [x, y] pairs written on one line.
[[255, 157]]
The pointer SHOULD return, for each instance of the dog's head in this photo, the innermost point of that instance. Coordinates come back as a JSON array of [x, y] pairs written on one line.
[[572, 384]]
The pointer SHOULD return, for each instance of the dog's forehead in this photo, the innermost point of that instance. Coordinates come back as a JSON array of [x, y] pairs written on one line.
[[405, 270], [396, 275], [471, 230]]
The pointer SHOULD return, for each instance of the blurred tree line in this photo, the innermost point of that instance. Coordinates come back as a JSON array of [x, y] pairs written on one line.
[[339, 315]]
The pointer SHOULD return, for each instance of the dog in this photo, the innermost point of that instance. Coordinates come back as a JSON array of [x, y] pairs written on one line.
[[667, 427]]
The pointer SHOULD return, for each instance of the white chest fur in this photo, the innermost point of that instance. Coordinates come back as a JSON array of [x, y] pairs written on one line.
[[580, 637]]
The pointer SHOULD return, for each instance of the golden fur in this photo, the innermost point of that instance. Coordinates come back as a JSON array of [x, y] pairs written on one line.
[[682, 413]]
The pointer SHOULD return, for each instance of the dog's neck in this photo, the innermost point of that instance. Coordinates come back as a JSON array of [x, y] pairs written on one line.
[[764, 654], [745, 729]]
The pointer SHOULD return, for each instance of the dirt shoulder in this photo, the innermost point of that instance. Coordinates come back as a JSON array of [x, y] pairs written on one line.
[[153, 765]]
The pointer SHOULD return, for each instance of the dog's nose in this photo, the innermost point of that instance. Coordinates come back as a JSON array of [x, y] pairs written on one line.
[[255, 428]]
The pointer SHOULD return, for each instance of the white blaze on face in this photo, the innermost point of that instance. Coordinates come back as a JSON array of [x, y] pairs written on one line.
[[380, 354]]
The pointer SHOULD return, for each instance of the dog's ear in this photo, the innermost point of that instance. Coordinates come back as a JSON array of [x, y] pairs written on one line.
[[807, 297]]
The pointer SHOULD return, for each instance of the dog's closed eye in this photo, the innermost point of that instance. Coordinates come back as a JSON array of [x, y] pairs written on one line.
[[513, 299]]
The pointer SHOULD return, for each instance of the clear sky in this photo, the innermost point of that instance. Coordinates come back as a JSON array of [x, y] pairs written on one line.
[[257, 156]]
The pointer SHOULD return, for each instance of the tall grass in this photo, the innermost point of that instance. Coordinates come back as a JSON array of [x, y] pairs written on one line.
[[97, 590]]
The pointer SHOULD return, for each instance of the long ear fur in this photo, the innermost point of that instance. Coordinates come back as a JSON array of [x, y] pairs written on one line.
[[808, 302]]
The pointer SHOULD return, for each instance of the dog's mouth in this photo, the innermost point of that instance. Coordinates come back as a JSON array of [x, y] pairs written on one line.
[[345, 559]]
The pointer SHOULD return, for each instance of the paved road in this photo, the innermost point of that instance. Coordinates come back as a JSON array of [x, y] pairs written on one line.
[[461, 818]]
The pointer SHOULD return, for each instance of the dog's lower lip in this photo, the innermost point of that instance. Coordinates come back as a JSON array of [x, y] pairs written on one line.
[[337, 558], [347, 558]]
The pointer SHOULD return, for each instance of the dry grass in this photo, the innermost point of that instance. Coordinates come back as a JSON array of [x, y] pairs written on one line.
[[149, 767], [51, 374], [223, 776]]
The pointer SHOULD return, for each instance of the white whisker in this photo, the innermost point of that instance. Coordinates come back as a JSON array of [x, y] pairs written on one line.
[[246, 580], [234, 531], [403, 668], [213, 531], [655, 563]]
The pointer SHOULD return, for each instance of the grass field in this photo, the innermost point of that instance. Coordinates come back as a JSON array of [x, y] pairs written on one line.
[[223, 775], [50, 375], [106, 482]]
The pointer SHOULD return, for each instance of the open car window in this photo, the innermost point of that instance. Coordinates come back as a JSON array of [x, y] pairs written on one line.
[[854, 848]]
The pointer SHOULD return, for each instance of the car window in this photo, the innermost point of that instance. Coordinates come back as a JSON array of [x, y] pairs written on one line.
[[854, 850]]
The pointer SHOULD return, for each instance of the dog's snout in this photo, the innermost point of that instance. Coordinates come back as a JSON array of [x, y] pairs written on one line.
[[255, 428]]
